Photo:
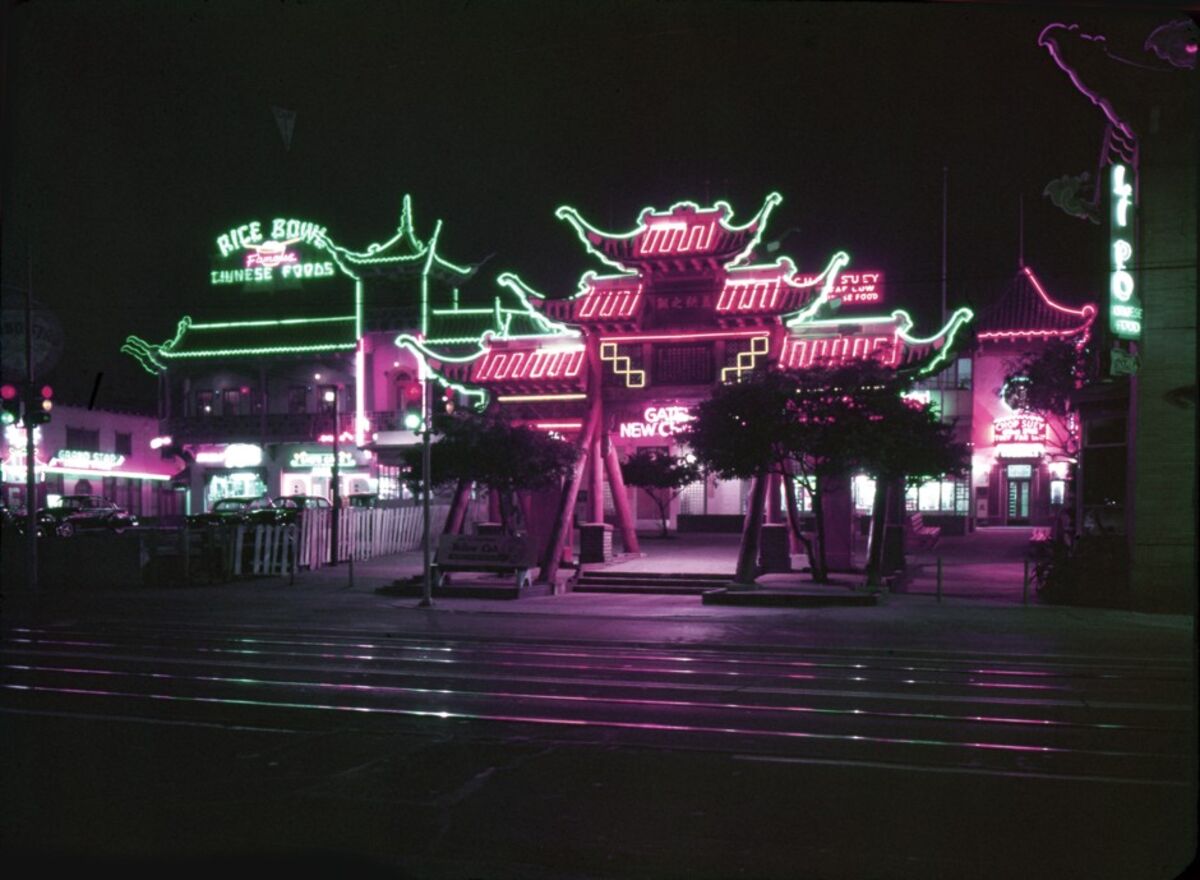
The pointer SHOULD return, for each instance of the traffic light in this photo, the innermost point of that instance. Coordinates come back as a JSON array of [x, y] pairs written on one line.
[[11, 399], [448, 400], [411, 406], [38, 406]]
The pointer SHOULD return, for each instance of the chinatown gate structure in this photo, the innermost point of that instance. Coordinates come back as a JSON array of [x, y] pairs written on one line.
[[685, 303]]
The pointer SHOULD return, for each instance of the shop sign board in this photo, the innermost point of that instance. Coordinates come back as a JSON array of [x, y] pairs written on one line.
[[485, 551], [1124, 304], [853, 288], [235, 455], [303, 459], [86, 460], [1019, 428], [265, 253], [656, 421]]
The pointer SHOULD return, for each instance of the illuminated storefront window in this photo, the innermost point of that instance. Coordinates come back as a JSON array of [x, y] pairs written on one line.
[[940, 496]]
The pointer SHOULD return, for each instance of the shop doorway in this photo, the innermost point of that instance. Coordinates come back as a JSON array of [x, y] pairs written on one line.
[[1018, 502]]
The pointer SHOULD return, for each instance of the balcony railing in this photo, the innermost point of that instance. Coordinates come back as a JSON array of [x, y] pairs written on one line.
[[273, 428]]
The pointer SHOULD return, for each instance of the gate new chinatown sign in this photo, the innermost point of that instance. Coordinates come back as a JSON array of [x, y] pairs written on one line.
[[657, 421], [1124, 305]]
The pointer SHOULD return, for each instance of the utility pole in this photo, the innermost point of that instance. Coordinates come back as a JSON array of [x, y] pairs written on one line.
[[333, 395], [945, 188], [426, 485], [31, 547]]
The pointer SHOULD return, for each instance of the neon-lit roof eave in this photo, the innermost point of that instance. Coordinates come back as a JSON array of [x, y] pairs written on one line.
[[585, 231]]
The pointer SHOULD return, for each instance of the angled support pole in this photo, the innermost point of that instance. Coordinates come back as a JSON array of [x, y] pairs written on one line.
[[620, 498], [458, 508]]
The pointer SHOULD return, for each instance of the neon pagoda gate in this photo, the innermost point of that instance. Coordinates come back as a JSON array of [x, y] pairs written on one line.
[[684, 304]]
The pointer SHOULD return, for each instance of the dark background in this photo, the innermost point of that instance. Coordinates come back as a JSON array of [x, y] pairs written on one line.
[[135, 133]]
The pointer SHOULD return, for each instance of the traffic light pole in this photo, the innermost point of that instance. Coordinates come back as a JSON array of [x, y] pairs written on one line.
[[31, 547], [336, 476], [426, 490]]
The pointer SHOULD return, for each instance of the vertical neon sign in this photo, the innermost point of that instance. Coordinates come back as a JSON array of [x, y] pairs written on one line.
[[1124, 306]]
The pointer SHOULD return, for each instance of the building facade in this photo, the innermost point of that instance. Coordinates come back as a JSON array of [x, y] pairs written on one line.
[[302, 367], [83, 451]]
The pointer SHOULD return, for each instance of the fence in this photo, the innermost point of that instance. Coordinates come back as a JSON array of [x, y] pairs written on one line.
[[366, 532]]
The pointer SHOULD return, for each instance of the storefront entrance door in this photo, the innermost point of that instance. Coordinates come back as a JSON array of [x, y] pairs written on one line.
[[1018, 502]]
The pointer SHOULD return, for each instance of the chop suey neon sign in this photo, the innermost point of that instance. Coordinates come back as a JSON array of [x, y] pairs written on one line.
[[852, 288], [1020, 428], [657, 421]]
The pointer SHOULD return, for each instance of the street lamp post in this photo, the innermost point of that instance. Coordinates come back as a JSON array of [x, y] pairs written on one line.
[[426, 489], [331, 396]]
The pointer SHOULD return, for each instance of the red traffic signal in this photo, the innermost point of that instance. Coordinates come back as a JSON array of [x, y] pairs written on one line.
[[8, 392]]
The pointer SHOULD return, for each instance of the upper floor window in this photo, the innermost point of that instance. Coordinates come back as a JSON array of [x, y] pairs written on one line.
[[231, 402], [123, 444], [298, 399], [683, 364], [324, 402], [204, 403], [83, 439]]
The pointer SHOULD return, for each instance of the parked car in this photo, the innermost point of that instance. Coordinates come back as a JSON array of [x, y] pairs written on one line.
[[303, 502], [240, 512], [363, 499], [76, 513]]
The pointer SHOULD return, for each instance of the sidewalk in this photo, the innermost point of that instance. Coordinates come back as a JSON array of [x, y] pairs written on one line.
[[912, 622]]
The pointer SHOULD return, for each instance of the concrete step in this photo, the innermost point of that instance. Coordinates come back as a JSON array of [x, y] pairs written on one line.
[[650, 577], [466, 590], [784, 598], [694, 589]]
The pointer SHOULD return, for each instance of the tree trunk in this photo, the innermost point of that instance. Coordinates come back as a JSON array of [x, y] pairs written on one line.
[[458, 508], [793, 515], [664, 512], [820, 569], [747, 566], [506, 512], [879, 509]]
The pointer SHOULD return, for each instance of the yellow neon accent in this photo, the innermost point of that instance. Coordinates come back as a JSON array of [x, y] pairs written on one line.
[[746, 359], [533, 398], [622, 365]]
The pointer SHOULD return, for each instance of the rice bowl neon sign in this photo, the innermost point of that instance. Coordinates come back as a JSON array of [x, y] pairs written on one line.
[[657, 421], [269, 259]]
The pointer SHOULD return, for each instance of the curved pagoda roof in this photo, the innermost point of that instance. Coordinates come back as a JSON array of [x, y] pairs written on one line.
[[685, 235], [1024, 311]]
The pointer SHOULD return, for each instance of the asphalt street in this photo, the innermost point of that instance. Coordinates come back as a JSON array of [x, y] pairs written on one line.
[[172, 730]]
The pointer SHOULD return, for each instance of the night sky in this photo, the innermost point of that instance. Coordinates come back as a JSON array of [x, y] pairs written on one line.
[[136, 132]]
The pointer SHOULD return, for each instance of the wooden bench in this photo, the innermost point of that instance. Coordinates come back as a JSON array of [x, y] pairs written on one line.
[[485, 554], [922, 536]]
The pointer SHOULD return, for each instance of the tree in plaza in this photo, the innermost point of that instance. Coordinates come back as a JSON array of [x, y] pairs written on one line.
[[1043, 383], [900, 439], [741, 432], [492, 452], [662, 475], [828, 406]]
